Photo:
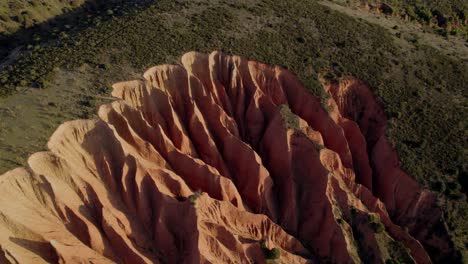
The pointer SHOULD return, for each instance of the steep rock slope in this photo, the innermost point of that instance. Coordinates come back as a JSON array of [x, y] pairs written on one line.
[[202, 161]]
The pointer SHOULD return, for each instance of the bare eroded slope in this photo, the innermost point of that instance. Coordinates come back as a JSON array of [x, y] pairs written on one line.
[[201, 161]]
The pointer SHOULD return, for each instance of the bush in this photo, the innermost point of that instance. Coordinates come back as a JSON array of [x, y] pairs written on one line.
[[270, 254], [424, 14], [4, 17], [193, 198], [104, 66], [378, 227], [375, 223]]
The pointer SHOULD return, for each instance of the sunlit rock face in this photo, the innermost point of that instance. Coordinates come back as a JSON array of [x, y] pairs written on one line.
[[200, 162]]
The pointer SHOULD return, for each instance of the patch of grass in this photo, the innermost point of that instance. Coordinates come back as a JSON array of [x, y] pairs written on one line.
[[290, 119]]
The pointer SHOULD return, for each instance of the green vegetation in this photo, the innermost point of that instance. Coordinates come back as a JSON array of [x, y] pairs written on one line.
[[445, 17], [53, 20], [398, 253], [290, 119], [20, 14], [270, 254], [376, 224], [394, 251], [424, 91], [193, 198]]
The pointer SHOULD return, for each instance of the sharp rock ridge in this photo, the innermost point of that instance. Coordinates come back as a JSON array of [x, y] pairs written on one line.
[[219, 160]]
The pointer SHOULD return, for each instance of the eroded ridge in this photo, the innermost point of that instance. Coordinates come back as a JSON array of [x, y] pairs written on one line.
[[201, 161]]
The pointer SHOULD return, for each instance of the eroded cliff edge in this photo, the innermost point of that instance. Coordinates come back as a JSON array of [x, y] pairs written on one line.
[[201, 161]]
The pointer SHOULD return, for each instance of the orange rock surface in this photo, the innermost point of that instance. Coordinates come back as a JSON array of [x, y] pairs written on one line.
[[201, 161]]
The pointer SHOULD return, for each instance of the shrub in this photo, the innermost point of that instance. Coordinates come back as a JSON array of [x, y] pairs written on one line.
[[4, 17], [193, 198], [270, 254], [318, 146], [378, 227], [104, 66], [375, 223], [274, 253]]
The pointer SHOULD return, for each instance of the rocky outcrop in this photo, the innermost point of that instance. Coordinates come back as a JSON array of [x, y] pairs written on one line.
[[408, 204], [202, 161]]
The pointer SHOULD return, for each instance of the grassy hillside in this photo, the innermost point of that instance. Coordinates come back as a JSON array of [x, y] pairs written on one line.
[[447, 17], [423, 90], [19, 14], [25, 25]]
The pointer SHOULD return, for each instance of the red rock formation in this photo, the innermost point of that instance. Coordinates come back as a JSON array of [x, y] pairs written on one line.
[[408, 204], [201, 161]]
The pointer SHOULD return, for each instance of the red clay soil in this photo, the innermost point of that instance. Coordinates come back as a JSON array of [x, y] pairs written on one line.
[[201, 161]]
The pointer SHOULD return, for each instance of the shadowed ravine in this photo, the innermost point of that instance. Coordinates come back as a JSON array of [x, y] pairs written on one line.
[[201, 161]]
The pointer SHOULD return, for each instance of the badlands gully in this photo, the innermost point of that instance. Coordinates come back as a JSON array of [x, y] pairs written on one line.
[[200, 162]]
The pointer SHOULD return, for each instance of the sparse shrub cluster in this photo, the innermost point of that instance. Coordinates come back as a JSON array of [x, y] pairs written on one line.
[[447, 17], [376, 224]]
